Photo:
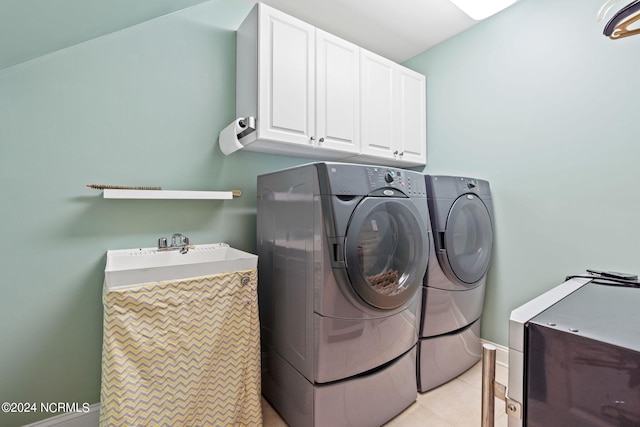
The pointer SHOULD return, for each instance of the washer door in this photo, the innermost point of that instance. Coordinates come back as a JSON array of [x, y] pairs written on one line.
[[386, 251], [468, 238]]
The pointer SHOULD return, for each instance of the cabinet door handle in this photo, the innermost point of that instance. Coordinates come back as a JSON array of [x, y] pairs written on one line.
[[395, 153], [401, 153], [311, 139], [321, 140]]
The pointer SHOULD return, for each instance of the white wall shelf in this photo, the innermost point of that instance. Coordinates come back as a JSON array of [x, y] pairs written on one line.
[[170, 194]]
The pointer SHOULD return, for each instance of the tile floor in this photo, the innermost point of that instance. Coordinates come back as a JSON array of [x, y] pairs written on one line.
[[454, 404]]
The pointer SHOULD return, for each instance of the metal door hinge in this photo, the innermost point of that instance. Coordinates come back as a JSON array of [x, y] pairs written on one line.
[[513, 408], [492, 389]]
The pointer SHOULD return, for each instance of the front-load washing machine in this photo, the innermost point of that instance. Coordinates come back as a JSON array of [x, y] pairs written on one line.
[[453, 294], [341, 250]]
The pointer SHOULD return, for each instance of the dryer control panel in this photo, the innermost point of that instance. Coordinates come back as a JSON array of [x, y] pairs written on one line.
[[453, 186], [466, 185], [473, 185]]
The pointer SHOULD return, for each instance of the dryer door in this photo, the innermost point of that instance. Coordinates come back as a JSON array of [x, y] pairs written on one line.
[[386, 251], [468, 238]]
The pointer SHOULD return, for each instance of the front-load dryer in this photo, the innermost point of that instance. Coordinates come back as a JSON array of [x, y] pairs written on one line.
[[453, 294], [341, 252]]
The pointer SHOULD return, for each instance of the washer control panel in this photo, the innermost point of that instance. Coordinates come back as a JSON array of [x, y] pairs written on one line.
[[362, 180], [409, 182]]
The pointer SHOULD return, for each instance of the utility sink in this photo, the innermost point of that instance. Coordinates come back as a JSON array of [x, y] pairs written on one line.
[[126, 267]]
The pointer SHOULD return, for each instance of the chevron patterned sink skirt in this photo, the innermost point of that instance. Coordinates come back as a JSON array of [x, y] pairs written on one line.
[[182, 353]]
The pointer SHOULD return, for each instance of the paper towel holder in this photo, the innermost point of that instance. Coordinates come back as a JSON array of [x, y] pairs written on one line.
[[237, 135], [248, 124]]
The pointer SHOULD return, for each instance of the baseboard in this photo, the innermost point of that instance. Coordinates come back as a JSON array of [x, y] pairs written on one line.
[[80, 419], [502, 353]]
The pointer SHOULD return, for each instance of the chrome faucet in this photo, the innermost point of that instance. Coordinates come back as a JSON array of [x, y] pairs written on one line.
[[179, 242]]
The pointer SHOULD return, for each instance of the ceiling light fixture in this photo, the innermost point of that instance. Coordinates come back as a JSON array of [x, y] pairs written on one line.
[[481, 9]]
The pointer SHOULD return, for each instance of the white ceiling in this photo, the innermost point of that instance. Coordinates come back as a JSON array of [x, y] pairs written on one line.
[[396, 29]]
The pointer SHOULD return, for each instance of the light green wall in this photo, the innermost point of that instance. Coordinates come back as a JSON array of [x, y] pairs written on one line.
[[31, 28], [141, 106], [537, 101]]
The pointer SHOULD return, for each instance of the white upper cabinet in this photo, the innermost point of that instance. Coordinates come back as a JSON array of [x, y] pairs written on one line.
[[337, 93], [379, 105], [393, 120], [286, 78], [412, 113], [318, 96]]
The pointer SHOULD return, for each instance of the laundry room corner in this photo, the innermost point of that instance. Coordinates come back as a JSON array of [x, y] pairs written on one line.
[[540, 103]]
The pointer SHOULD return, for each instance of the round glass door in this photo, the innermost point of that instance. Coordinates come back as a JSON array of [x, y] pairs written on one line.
[[469, 238], [386, 250]]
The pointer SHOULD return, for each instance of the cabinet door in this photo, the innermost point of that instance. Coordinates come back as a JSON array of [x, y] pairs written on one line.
[[377, 105], [412, 139], [337, 93], [286, 78]]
